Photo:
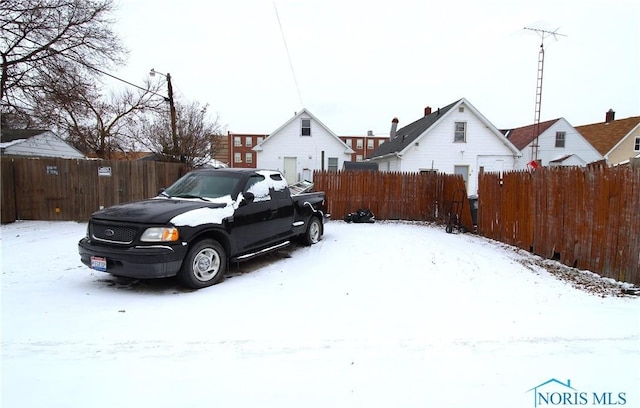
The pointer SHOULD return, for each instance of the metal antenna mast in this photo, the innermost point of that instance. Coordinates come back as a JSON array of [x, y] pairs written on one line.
[[543, 34]]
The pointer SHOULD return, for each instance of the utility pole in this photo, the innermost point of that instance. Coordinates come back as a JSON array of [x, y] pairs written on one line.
[[175, 150], [536, 121]]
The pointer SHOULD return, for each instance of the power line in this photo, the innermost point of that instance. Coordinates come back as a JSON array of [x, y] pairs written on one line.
[[56, 52], [284, 40]]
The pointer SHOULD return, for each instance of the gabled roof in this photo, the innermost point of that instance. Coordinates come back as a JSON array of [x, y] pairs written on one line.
[[9, 135], [406, 135], [604, 136], [524, 135], [258, 147], [561, 158]]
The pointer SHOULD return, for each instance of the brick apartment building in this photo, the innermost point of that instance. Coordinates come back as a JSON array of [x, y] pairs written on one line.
[[236, 149], [363, 145]]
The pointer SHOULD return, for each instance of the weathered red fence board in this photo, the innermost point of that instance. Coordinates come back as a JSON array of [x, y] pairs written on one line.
[[392, 196], [586, 218]]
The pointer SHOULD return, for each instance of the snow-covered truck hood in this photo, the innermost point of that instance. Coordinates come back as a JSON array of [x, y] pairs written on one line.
[[165, 210]]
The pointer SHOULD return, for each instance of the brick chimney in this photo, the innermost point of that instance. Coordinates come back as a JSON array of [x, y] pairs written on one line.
[[394, 128], [427, 111], [610, 116]]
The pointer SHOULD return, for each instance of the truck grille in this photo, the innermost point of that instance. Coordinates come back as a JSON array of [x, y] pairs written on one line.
[[113, 233]]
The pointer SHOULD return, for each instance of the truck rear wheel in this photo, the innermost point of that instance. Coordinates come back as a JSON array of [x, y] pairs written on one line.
[[204, 265], [313, 233]]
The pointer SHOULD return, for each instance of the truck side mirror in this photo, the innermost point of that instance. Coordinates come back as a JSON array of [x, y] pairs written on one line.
[[247, 198]]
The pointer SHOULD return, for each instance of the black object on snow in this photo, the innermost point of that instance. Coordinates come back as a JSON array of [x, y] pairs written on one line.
[[360, 216]]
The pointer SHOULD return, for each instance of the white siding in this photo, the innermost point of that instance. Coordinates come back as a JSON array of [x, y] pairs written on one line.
[[575, 144], [46, 144], [437, 150], [308, 150]]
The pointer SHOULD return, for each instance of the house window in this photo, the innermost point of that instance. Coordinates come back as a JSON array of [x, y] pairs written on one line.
[[237, 157], [333, 164], [248, 157], [461, 109], [636, 146], [260, 139], [306, 127], [348, 142], [248, 142], [237, 142], [359, 144], [358, 157], [370, 143], [560, 139], [460, 134], [380, 142]]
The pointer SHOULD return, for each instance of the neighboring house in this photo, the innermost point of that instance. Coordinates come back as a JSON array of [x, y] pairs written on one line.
[[363, 146], [240, 149], [456, 139], [616, 140], [300, 146], [558, 144], [36, 143]]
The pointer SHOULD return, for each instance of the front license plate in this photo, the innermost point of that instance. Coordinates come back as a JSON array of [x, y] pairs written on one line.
[[99, 263]]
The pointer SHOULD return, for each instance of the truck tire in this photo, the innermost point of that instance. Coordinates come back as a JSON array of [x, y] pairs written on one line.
[[204, 265], [313, 233]]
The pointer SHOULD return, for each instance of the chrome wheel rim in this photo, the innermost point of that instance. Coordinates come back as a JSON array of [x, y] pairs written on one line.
[[206, 264], [314, 232]]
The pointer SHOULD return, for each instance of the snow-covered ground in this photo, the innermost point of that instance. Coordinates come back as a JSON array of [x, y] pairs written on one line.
[[375, 315]]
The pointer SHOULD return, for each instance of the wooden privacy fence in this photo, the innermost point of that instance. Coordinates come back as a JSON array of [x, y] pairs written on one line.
[[585, 218], [391, 195], [70, 190]]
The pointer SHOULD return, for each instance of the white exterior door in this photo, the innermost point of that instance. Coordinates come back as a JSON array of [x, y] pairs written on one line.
[[464, 172], [291, 169]]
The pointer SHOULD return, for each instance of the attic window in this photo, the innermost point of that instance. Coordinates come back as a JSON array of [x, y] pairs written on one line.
[[560, 138], [461, 109], [460, 133], [636, 146], [306, 127]]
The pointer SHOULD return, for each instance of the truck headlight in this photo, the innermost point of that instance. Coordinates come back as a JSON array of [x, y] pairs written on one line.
[[160, 234]]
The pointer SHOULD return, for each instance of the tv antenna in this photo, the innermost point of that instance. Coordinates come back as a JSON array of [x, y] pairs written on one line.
[[536, 120]]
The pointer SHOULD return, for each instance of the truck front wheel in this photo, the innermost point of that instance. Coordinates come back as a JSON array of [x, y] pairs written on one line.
[[204, 265], [314, 232]]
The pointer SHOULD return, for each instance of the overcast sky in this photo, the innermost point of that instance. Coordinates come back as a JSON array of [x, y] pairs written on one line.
[[358, 64]]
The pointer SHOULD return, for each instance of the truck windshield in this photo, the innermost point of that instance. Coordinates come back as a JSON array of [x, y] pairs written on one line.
[[207, 185]]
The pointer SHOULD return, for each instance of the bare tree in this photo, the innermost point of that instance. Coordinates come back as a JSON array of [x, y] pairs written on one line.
[[198, 134], [39, 37], [93, 123]]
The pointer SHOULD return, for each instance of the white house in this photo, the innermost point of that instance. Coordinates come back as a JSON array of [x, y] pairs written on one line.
[[456, 139], [36, 143], [300, 146], [558, 144]]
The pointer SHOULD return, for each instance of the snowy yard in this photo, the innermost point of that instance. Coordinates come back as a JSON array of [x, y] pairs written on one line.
[[375, 315]]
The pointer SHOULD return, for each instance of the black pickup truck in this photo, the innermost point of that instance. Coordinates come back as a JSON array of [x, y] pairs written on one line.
[[201, 223]]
